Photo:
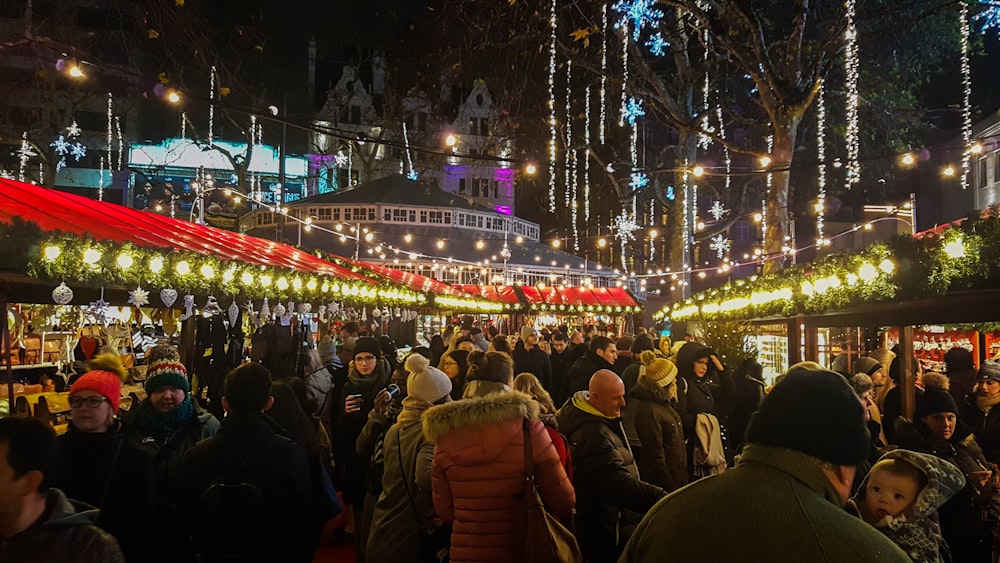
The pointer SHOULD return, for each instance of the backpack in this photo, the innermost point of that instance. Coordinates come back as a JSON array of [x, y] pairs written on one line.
[[231, 517]]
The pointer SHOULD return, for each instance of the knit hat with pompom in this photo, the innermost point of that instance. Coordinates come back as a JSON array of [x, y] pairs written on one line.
[[425, 382]]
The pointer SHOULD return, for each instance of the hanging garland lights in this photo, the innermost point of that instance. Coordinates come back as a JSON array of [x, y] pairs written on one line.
[[966, 96], [898, 269], [604, 72], [851, 65], [552, 107], [821, 169], [586, 159]]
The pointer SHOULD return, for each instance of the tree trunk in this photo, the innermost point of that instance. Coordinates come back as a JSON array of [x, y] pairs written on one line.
[[785, 131], [687, 153]]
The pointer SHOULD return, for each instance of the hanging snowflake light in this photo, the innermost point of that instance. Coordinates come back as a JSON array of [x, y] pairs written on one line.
[[624, 227], [340, 159], [657, 44], [671, 193], [989, 19], [720, 245], [641, 14], [73, 130], [638, 181], [412, 175], [64, 146], [718, 211], [633, 110]]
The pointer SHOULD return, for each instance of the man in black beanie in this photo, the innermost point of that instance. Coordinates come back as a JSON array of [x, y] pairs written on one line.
[[784, 499]]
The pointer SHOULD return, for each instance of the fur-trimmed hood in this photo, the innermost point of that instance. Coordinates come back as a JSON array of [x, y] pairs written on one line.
[[478, 411], [944, 481]]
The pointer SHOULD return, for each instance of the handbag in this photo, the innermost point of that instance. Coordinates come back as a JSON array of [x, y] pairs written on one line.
[[545, 539]]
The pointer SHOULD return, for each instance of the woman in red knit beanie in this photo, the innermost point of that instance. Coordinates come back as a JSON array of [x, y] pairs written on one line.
[[100, 467]]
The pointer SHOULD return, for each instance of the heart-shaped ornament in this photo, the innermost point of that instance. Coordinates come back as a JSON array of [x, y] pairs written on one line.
[[168, 296]]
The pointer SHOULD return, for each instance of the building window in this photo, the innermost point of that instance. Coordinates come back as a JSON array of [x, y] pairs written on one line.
[[359, 214], [462, 187], [413, 215], [324, 214], [479, 221], [479, 126], [399, 215], [437, 217], [336, 213], [983, 180], [387, 215], [481, 187], [371, 213], [423, 216]]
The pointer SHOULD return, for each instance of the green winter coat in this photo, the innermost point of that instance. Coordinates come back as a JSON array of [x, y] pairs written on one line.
[[776, 505]]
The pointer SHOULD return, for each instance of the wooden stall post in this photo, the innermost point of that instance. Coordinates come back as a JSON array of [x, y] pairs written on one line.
[[794, 340], [907, 371], [812, 343], [6, 358]]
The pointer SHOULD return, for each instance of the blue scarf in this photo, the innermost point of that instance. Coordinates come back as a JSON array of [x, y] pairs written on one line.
[[161, 425]]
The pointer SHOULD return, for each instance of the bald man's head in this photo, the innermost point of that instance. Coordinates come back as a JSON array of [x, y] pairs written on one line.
[[607, 393]]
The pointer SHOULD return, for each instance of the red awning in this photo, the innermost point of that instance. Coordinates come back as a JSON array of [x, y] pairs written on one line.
[[415, 282], [502, 294], [53, 210], [554, 296]]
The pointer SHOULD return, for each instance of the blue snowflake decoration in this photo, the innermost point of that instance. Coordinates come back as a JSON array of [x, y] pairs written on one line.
[[989, 19], [640, 13], [638, 181], [633, 110], [657, 44], [78, 151], [412, 175], [61, 145], [671, 194]]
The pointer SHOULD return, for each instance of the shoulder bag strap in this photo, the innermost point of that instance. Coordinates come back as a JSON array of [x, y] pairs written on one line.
[[405, 478]]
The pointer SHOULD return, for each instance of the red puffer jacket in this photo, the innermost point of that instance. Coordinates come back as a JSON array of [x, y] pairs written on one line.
[[479, 472]]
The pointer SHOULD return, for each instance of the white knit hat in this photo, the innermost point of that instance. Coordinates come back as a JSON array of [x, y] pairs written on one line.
[[425, 382]]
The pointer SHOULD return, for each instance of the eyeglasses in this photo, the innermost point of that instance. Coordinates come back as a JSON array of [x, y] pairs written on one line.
[[364, 359], [450, 363], [92, 402]]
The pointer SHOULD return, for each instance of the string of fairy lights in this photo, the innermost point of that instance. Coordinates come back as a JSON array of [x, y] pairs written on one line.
[[851, 71]]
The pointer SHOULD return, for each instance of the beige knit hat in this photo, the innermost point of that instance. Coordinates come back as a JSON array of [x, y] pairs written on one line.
[[660, 371]]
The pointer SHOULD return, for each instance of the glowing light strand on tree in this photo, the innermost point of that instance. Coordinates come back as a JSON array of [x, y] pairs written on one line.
[[851, 86], [100, 181], [211, 109], [821, 156], [604, 72], [184, 117], [966, 96], [100, 193], [763, 204], [704, 140], [568, 156], [624, 227], [25, 153], [586, 158], [412, 174], [621, 114], [552, 106], [652, 215], [725, 147], [121, 143]]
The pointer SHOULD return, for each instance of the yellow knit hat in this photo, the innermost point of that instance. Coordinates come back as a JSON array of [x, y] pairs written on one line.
[[660, 371]]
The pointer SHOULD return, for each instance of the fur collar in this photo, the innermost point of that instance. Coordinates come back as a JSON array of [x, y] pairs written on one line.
[[490, 409]]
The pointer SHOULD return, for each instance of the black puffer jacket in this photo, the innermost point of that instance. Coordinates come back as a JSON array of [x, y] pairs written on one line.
[[65, 533], [610, 497], [535, 362], [985, 425], [658, 426], [583, 368], [91, 463], [346, 427]]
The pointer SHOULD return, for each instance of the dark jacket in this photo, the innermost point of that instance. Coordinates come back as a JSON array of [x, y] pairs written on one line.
[[961, 380], [748, 393], [663, 461], [582, 370], [963, 526], [66, 533], [534, 361], [625, 359], [346, 427], [986, 426], [610, 496], [92, 462], [630, 376], [892, 409], [776, 505], [696, 395], [561, 363], [167, 454], [275, 465]]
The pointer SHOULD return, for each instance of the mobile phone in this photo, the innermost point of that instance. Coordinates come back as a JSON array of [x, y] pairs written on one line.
[[393, 390]]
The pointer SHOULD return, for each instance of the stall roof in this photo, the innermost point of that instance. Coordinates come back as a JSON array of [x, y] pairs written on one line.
[[556, 296], [413, 281], [498, 294], [53, 210]]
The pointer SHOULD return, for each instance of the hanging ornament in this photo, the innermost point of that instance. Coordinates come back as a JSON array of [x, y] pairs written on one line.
[[376, 313], [234, 313], [333, 307], [169, 297], [279, 310], [62, 294], [265, 311], [720, 245], [397, 312], [718, 211], [385, 313], [99, 309], [138, 297], [306, 308], [364, 313], [188, 307]]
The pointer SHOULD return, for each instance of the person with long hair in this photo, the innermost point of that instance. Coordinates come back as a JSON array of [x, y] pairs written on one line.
[[528, 384], [438, 348], [455, 364]]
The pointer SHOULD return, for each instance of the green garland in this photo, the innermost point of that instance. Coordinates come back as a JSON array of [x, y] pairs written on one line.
[[903, 267], [57, 256]]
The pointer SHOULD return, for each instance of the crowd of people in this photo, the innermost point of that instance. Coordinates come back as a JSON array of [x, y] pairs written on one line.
[[647, 449]]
